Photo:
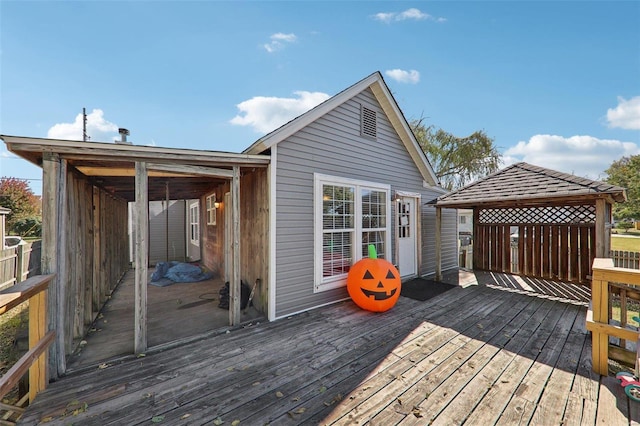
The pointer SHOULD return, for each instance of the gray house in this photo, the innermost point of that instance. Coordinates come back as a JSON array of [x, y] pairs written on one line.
[[346, 174], [290, 214]]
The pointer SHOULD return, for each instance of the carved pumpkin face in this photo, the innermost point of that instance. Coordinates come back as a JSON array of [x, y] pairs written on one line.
[[374, 284]]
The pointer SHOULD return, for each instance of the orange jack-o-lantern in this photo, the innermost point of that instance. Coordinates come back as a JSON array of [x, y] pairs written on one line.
[[374, 284]]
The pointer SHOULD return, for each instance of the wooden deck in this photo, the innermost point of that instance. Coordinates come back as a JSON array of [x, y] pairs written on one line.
[[174, 313], [476, 355]]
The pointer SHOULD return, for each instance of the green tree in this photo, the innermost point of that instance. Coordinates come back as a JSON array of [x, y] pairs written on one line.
[[16, 195], [457, 161], [625, 172]]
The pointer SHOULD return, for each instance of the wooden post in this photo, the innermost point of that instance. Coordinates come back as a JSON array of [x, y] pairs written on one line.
[[20, 264], [600, 307], [37, 330], [601, 224], [234, 285], [53, 239], [141, 257], [438, 243]]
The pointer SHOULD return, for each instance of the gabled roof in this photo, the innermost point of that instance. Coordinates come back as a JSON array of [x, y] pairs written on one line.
[[376, 83], [524, 184]]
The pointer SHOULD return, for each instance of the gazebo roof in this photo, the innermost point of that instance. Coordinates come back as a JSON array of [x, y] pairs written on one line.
[[523, 184]]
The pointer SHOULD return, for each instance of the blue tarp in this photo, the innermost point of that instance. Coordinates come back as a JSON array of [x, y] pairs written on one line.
[[167, 273]]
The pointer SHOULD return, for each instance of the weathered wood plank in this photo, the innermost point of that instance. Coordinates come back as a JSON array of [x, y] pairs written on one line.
[[463, 348]]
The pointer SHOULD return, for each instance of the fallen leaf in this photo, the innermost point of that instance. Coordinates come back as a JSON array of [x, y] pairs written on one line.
[[218, 421], [186, 416], [300, 410], [416, 412], [235, 422], [103, 366], [279, 394], [157, 419], [255, 383], [294, 399], [323, 389], [140, 355], [230, 369], [46, 419]]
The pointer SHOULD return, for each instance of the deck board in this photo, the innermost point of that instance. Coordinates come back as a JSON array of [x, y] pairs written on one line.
[[478, 354]]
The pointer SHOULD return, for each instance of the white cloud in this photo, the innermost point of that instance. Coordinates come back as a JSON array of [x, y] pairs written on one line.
[[626, 115], [583, 156], [265, 114], [278, 41], [409, 14], [98, 128], [402, 76]]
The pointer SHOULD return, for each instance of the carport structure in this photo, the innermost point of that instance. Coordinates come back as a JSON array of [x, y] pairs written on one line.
[[563, 222]]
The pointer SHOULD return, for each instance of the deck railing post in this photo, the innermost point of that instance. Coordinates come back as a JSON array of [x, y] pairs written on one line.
[[598, 315], [600, 340], [37, 330]]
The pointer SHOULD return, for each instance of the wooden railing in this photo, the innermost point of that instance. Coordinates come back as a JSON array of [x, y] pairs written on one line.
[[598, 315], [626, 259], [34, 290]]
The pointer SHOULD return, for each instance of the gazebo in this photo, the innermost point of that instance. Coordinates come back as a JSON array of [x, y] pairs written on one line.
[[536, 222]]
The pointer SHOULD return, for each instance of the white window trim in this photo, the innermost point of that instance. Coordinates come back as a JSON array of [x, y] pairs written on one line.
[[195, 207], [321, 283], [211, 209]]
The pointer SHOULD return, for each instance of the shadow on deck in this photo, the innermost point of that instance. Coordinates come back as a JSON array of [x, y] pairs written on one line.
[[476, 354]]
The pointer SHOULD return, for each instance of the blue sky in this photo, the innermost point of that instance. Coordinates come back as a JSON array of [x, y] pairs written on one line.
[[556, 84]]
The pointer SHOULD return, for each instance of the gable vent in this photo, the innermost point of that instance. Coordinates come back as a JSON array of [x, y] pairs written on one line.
[[369, 124]]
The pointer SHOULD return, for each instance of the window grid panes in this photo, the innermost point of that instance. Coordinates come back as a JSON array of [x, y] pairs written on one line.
[[195, 223], [374, 220], [404, 220], [211, 209], [338, 216]]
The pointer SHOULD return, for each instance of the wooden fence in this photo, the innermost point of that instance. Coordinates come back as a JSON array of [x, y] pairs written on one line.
[[19, 263], [626, 259], [555, 252]]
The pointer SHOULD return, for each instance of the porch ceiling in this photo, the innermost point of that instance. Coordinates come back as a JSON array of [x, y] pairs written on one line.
[[111, 166]]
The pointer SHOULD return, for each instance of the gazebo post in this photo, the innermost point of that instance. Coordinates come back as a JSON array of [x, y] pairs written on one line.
[[438, 243], [603, 228]]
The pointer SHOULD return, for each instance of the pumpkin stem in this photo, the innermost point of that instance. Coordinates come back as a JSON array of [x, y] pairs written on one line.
[[372, 252]]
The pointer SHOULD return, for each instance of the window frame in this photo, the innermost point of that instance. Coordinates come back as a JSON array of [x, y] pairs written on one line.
[[211, 209], [194, 225], [322, 283]]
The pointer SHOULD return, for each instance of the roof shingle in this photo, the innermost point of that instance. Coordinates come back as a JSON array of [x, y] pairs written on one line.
[[524, 183]]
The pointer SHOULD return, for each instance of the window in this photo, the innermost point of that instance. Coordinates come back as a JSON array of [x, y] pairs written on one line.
[[211, 209], [349, 215], [368, 122], [194, 224], [463, 220]]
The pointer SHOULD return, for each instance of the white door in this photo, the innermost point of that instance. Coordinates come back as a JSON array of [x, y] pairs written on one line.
[[407, 241]]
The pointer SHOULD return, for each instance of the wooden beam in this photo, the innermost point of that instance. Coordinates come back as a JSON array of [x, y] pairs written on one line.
[[15, 295], [141, 258], [601, 223], [438, 243], [121, 172], [37, 331], [191, 170], [104, 151], [234, 286], [62, 274], [49, 248]]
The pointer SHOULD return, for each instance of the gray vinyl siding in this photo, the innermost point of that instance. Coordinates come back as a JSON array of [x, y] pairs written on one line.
[[167, 238], [331, 145]]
